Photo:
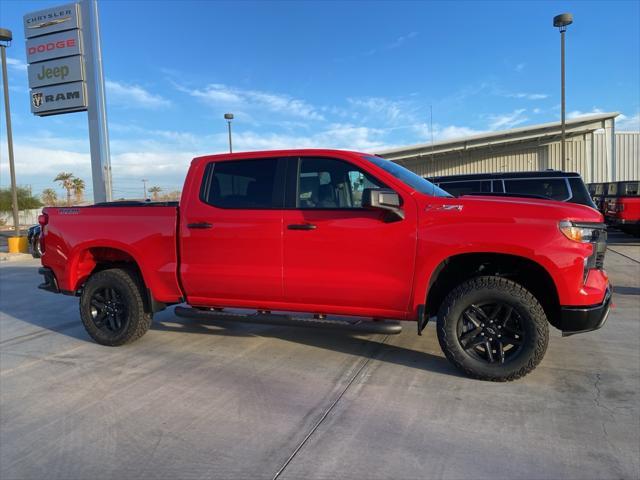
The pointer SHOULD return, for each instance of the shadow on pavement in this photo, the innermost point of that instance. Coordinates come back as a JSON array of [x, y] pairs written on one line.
[[59, 314], [618, 237], [624, 290], [334, 341]]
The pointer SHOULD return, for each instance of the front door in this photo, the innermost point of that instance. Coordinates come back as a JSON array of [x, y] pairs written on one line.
[[339, 255], [231, 236]]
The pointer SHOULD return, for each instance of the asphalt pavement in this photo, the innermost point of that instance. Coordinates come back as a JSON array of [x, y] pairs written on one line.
[[194, 400]]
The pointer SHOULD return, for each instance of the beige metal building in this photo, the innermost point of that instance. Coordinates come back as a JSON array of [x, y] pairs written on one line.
[[594, 150]]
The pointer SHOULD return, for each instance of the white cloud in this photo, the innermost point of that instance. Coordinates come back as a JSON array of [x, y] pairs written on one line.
[[507, 120], [226, 96], [134, 96], [443, 132], [398, 42], [383, 108], [527, 96], [453, 131], [578, 113], [632, 123], [17, 64]]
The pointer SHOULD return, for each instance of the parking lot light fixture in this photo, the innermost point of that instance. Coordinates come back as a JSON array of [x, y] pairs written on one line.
[[229, 117], [561, 22], [5, 41]]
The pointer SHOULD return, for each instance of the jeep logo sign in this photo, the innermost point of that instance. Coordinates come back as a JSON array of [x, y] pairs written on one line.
[[53, 46], [68, 97], [62, 70]]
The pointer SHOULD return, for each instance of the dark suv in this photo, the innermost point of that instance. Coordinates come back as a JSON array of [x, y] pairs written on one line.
[[551, 184]]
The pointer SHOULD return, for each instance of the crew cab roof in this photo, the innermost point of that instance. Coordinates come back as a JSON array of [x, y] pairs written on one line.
[[320, 152]]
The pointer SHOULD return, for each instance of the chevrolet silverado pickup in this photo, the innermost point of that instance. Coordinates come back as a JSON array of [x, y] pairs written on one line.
[[327, 232]]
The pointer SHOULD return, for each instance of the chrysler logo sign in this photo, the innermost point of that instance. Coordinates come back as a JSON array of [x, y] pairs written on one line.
[[51, 20], [50, 23]]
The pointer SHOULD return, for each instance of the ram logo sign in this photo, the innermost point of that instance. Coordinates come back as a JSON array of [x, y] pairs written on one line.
[[68, 97]]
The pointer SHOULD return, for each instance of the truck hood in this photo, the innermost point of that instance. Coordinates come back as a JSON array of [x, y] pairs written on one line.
[[515, 208]]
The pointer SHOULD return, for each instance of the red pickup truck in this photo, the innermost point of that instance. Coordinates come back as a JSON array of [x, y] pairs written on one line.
[[622, 209], [331, 232]]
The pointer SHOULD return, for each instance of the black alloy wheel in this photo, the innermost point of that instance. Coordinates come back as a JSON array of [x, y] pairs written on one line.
[[493, 328], [491, 332], [113, 308], [108, 310]]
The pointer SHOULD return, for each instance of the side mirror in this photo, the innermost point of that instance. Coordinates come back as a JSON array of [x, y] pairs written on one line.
[[383, 199]]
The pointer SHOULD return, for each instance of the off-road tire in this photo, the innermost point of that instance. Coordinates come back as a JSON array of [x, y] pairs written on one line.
[[532, 317], [129, 289]]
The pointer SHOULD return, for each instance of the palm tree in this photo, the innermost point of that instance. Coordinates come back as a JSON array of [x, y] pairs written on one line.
[[78, 189], [66, 181], [154, 191], [49, 197]]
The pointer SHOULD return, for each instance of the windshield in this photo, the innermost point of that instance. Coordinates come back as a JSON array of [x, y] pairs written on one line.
[[407, 176]]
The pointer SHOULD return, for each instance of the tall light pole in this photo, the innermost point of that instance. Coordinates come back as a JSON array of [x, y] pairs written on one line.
[[562, 21], [144, 183], [228, 117], [5, 41]]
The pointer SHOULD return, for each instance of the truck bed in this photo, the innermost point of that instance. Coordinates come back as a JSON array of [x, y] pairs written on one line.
[[79, 239]]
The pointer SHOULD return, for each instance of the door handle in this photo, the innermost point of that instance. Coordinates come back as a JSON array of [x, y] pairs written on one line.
[[201, 225], [302, 226]]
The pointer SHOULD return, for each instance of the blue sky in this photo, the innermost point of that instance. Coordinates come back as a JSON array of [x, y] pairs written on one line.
[[357, 75]]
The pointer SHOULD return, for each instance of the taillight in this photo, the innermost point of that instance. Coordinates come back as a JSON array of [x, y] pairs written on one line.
[[43, 219]]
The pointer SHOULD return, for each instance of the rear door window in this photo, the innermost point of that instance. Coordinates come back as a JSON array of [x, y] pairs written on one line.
[[579, 193], [554, 188], [245, 184], [629, 189], [465, 188]]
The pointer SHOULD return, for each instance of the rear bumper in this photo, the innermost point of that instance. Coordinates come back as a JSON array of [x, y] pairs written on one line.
[[585, 319], [50, 283]]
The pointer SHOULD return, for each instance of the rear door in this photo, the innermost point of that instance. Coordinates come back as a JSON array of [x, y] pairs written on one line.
[[231, 234], [338, 254]]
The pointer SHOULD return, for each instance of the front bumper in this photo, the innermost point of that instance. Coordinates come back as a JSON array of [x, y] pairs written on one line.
[[585, 319]]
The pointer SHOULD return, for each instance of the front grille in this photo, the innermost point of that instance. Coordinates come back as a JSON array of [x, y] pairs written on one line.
[[600, 260]]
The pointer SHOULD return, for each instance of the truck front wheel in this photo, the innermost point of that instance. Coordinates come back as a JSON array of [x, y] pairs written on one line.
[[493, 329], [112, 308]]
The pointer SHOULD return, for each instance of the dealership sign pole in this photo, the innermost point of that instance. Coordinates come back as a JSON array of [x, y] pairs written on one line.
[[65, 75]]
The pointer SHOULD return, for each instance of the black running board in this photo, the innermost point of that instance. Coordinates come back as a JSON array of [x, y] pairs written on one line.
[[386, 327]]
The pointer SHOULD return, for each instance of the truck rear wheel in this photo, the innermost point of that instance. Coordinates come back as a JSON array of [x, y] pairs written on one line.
[[493, 329], [112, 308]]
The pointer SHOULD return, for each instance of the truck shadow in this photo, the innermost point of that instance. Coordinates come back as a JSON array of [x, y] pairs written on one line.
[[58, 314], [375, 347], [625, 290]]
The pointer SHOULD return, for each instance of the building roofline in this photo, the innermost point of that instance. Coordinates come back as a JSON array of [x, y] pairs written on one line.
[[575, 126]]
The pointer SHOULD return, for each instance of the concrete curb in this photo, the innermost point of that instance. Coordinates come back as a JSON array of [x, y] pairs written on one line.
[[12, 257]]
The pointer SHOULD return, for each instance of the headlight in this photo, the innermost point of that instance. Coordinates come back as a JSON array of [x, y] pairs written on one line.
[[578, 233]]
